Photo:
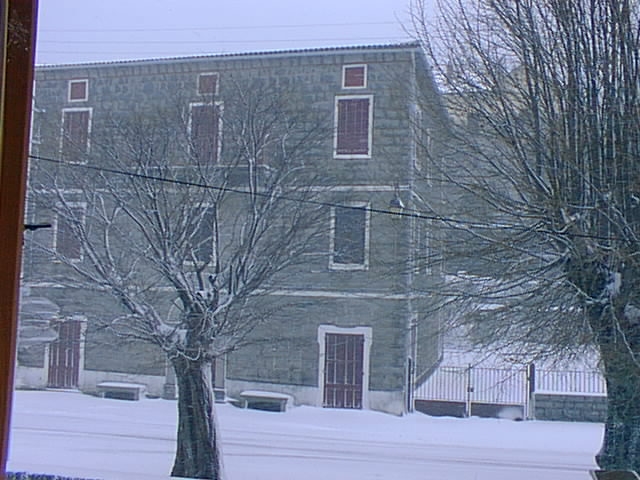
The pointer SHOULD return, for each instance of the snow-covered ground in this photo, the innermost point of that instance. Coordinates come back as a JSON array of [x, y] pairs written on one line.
[[73, 434]]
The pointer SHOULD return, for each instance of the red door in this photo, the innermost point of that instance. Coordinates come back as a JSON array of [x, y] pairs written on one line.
[[64, 355], [343, 370]]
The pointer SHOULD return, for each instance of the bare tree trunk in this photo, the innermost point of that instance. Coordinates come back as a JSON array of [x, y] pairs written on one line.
[[197, 452], [621, 443]]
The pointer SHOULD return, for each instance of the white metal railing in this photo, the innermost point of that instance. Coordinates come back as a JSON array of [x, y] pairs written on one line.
[[590, 382], [506, 386]]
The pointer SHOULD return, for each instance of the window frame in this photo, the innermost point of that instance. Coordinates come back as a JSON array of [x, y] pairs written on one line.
[[218, 147], [62, 130], [344, 75], [207, 74], [336, 129], [56, 229], [333, 265], [70, 88]]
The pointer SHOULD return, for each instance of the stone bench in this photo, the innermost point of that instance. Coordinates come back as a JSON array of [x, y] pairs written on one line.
[[121, 390], [259, 400]]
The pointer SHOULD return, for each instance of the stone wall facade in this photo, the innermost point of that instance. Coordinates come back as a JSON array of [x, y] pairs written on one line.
[[380, 301], [570, 407]]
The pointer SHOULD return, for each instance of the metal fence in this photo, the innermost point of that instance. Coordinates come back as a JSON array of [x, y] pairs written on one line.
[[505, 386], [570, 381]]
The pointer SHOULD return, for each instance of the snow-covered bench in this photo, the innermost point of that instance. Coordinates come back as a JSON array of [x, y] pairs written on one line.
[[259, 400], [121, 390]]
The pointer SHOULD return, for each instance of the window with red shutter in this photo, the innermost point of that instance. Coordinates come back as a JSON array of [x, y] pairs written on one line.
[[75, 134], [68, 243], [207, 83], [78, 90], [354, 76], [204, 131], [353, 130]]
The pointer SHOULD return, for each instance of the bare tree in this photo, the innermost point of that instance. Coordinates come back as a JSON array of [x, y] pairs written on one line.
[[176, 217], [544, 151]]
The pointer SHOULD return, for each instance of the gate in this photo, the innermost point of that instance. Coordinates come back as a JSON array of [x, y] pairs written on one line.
[[466, 391]]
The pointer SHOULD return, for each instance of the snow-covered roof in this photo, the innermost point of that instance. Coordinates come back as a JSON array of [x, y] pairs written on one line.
[[221, 56]]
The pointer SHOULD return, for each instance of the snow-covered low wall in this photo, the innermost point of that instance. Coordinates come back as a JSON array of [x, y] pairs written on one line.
[[570, 407]]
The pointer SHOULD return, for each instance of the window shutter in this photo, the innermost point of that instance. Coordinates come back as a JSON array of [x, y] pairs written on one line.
[[207, 83], [67, 242], [75, 137], [353, 126], [78, 90], [354, 77], [204, 132]]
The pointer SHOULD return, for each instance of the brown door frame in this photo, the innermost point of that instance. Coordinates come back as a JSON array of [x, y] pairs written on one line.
[[17, 49]]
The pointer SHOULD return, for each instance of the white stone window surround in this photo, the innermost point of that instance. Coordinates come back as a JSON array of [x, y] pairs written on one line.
[[337, 155], [216, 75], [77, 81], [89, 125], [220, 109], [354, 65], [367, 228], [367, 332]]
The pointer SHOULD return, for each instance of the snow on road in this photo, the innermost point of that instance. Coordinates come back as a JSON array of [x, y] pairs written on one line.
[[73, 434]]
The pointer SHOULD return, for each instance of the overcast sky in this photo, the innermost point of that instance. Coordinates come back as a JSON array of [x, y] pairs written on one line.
[[71, 31]]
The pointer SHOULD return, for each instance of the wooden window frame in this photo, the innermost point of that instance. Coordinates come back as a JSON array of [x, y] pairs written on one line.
[[345, 76], [341, 98], [70, 89], [333, 265]]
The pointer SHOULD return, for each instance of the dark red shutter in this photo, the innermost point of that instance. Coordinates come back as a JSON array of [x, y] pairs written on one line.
[[75, 135], [78, 91], [204, 132], [67, 242], [207, 84], [354, 76], [353, 126]]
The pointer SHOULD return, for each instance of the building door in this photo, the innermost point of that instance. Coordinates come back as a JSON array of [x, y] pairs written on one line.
[[343, 370], [64, 355]]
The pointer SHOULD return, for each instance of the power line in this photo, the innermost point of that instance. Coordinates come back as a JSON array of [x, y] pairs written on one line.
[[226, 189], [201, 41], [217, 28], [398, 213]]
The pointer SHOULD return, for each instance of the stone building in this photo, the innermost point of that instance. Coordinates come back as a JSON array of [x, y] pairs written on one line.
[[353, 330]]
